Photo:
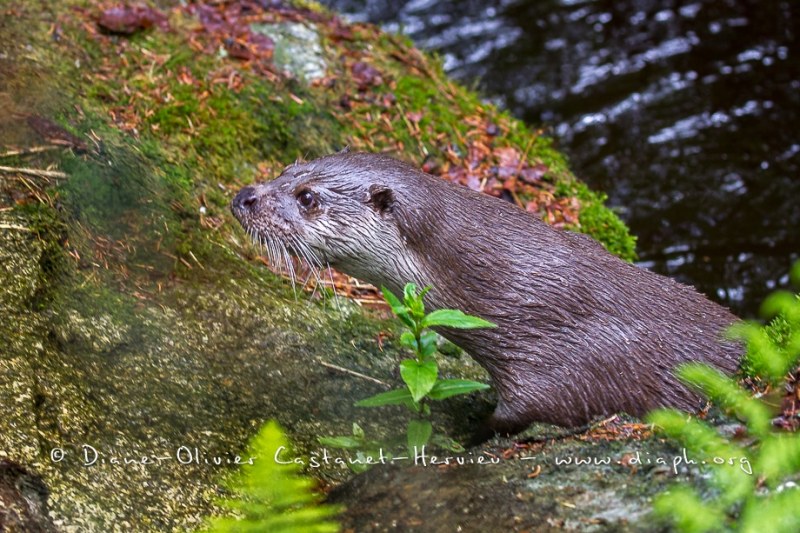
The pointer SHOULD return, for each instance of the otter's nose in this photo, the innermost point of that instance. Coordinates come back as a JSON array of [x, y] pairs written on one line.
[[245, 199]]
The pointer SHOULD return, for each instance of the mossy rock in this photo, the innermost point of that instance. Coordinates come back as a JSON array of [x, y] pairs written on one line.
[[138, 319]]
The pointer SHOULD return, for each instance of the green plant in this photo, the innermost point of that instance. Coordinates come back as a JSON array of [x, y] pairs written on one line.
[[271, 495], [754, 484], [420, 374], [367, 452]]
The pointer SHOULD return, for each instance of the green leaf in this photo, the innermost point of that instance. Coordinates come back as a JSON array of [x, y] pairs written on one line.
[[408, 340], [688, 511], [452, 318], [420, 377], [779, 457], [706, 444], [400, 310], [776, 514], [419, 433], [726, 392], [414, 301], [346, 442], [763, 356], [393, 397], [428, 343], [445, 388], [359, 467], [409, 293], [424, 291], [767, 456], [782, 303], [396, 305]]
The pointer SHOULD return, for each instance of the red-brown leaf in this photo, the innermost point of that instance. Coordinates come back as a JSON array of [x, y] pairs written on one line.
[[126, 20]]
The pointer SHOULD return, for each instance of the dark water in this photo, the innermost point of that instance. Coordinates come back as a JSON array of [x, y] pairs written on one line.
[[687, 114]]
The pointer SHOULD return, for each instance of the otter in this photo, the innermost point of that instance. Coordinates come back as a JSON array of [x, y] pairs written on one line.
[[580, 333]]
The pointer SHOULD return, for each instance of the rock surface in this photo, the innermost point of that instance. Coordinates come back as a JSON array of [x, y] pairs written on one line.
[[142, 343]]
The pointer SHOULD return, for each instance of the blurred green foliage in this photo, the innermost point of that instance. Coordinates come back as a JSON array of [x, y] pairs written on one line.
[[754, 479], [271, 495]]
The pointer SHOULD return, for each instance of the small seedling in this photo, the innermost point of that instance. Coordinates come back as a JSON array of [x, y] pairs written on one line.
[[421, 373]]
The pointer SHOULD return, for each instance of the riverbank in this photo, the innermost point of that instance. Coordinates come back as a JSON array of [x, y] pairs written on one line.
[[139, 319]]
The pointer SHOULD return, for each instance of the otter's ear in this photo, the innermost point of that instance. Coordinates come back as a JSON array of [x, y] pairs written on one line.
[[381, 198]]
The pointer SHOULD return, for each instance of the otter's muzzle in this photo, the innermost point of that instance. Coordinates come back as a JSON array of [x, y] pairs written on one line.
[[244, 200]]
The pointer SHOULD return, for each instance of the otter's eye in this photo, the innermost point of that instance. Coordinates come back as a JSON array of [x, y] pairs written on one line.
[[306, 199]]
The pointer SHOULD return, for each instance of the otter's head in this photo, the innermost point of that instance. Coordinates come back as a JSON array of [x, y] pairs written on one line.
[[336, 210]]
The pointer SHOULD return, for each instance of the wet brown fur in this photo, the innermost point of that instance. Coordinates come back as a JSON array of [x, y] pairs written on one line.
[[580, 332]]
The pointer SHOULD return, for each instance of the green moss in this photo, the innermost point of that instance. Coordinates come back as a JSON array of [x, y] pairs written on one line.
[[284, 129], [101, 193], [440, 115], [221, 136], [174, 116], [201, 133], [780, 331], [542, 150], [604, 225], [54, 268]]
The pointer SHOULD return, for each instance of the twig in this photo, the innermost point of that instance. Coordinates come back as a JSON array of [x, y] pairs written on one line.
[[196, 261], [14, 226], [31, 150], [524, 159], [353, 372], [35, 172], [414, 131]]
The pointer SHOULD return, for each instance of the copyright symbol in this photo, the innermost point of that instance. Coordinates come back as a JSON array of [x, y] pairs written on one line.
[[57, 455]]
